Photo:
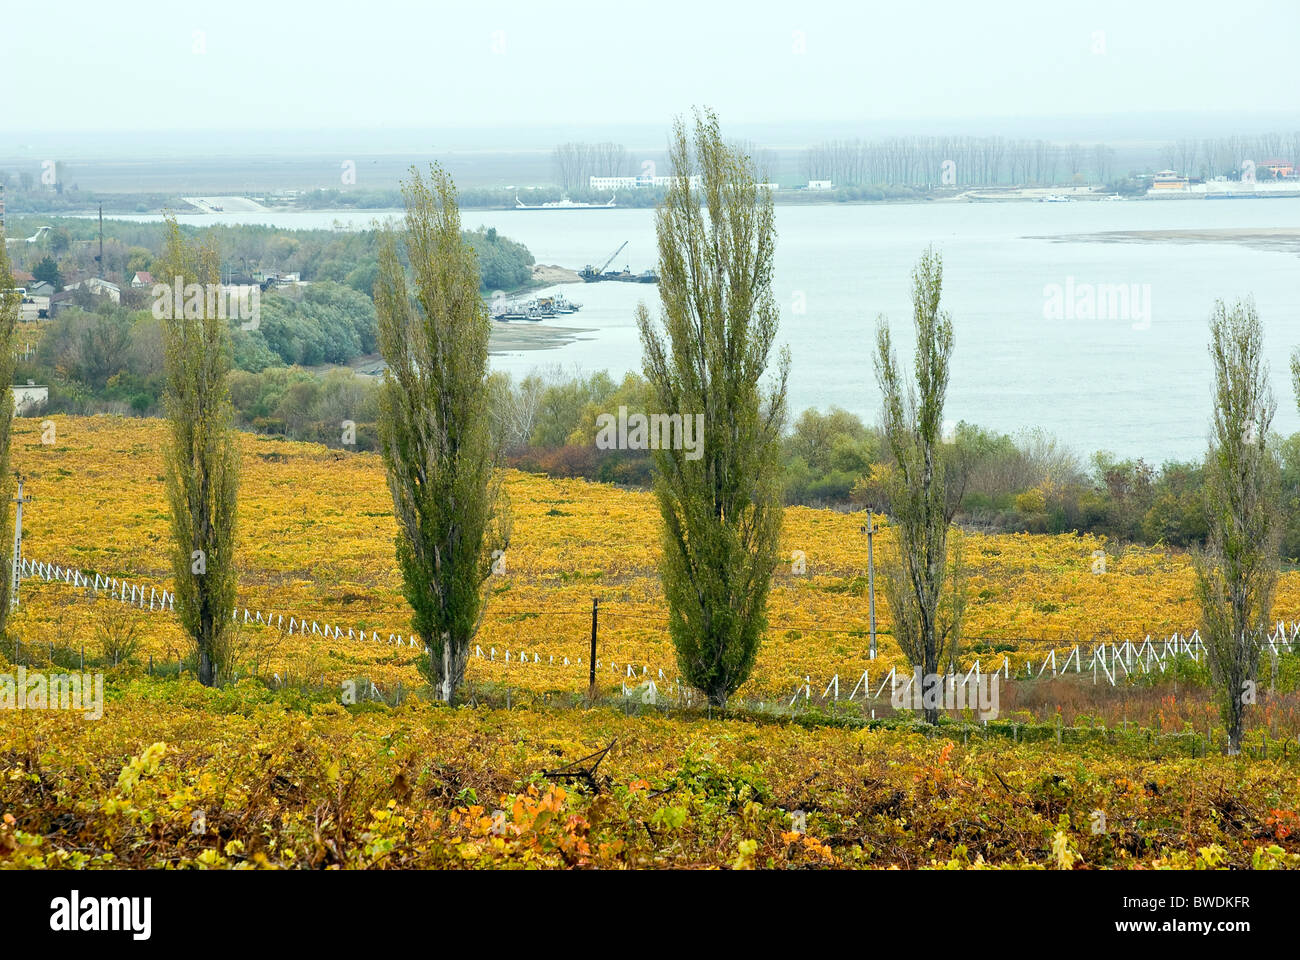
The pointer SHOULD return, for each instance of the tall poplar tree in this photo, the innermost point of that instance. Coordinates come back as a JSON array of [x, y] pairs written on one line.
[[720, 502], [922, 584], [202, 451], [10, 307], [435, 426], [1236, 573]]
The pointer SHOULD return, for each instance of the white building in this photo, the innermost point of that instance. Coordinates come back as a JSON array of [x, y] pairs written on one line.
[[820, 185], [34, 308], [99, 288], [30, 399]]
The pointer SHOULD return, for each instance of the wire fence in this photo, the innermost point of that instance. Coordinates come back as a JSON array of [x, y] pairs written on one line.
[[1106, 660]]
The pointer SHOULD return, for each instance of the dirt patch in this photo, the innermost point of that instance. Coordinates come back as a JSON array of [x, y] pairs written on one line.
[[550, 273], [527, 335]]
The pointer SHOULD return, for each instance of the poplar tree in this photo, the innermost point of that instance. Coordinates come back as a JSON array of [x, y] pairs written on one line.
[[10, 307], [202, 451], [435, 426], [720, 503], [1236, 573], [922, 584]]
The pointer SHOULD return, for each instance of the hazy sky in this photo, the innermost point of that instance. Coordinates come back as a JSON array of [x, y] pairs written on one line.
[[247, 65]]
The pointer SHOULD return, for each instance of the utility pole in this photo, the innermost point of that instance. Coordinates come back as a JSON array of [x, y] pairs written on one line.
[[871, 579], [591, 683], [18, 543], [100, 259]]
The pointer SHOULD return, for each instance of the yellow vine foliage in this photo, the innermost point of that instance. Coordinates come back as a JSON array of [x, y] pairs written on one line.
[[182, 776]]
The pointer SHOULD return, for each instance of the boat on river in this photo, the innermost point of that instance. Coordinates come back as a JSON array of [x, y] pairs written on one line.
[[565, 204]]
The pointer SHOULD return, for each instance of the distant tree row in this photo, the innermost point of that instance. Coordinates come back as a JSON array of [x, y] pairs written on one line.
[[1225, 156], [574, 163], [957, 161], [993, 161]]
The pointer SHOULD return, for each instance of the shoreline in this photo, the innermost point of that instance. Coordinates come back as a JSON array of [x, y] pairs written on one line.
[[1276, 239], [506, 337], [793, 198]]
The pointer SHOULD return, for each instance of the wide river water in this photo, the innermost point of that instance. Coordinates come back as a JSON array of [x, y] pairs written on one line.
[[1137, 385]]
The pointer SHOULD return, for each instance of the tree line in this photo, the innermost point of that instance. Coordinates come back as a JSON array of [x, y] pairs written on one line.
[[576, 162], [950, 161], [1029, 482], [956, 161], [1225, 156]]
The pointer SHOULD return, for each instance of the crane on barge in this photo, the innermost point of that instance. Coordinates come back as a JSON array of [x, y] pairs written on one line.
[[590, 274]]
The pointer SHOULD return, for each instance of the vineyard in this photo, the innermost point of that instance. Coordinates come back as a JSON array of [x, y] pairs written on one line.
[[316, 545], [277, 771]]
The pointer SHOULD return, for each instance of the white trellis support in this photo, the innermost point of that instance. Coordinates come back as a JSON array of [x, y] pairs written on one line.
[[805, 688], [1099, 659], [891, 678]]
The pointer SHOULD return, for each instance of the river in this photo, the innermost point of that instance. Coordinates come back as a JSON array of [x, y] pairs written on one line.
[[1136, 384]]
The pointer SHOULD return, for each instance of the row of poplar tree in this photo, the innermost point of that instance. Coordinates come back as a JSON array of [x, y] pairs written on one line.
[[708, 352]]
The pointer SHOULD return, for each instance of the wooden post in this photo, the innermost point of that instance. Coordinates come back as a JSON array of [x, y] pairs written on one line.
[[83, 658], [17, 571], [591, 677], [871, 580]]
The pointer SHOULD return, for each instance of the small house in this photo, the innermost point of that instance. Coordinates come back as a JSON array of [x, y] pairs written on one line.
[[30, 399]]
